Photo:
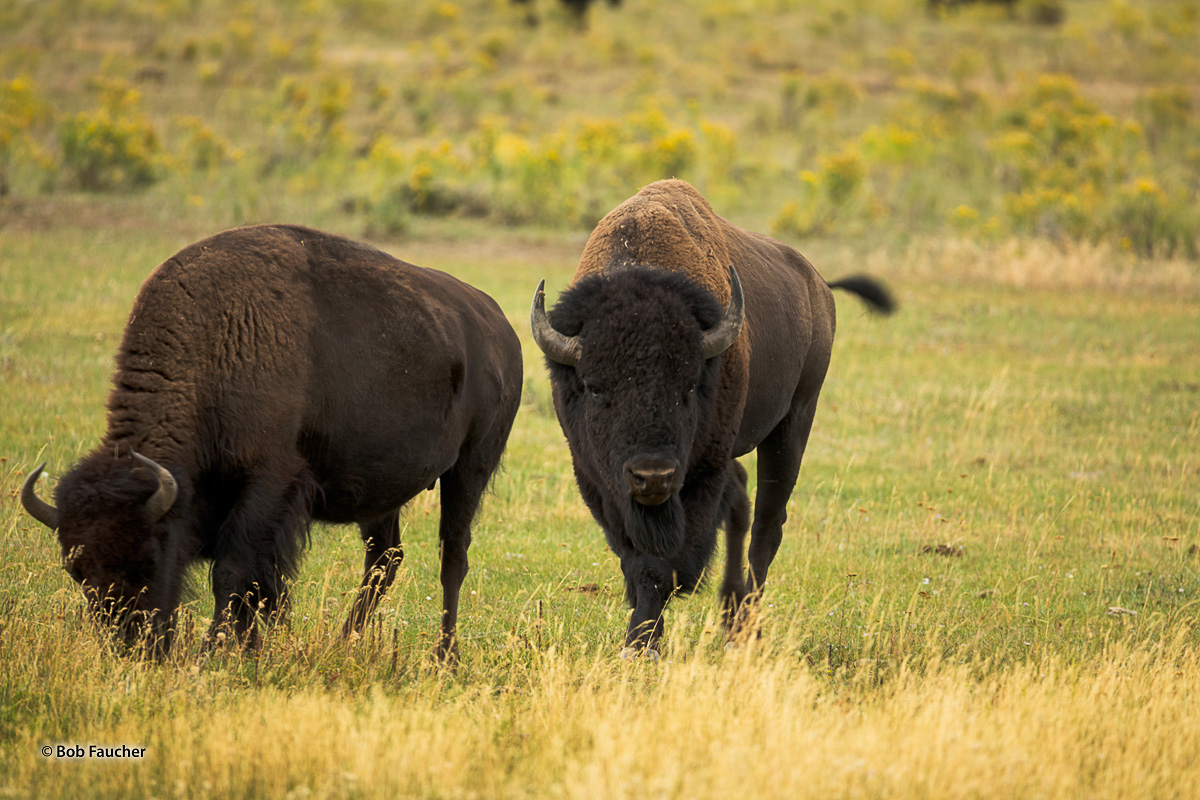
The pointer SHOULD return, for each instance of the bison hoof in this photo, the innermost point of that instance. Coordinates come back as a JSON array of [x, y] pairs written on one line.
[[649, 653], [445, 656]]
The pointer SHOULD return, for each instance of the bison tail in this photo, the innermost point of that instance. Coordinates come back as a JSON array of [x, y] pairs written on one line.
[[874, 293]]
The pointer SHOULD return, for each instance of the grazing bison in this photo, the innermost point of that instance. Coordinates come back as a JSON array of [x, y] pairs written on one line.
[[272, 375], [683, 343]]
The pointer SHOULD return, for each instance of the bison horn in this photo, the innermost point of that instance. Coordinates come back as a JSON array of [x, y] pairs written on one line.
[[719, 337], [557, 347], [38, 508], [164, 496]]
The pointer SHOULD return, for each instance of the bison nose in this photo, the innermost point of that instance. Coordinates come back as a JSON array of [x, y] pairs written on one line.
[[651, 480]]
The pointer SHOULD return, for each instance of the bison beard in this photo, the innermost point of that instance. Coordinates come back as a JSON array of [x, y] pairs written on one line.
[[657, 530], [640, 401]]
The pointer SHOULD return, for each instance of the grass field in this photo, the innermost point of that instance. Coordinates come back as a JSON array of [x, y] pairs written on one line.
[[989, 584]]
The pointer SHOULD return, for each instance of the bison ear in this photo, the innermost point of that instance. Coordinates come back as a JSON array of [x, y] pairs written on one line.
[[557, 347], [164, 496], [719, 337], [38, 508]]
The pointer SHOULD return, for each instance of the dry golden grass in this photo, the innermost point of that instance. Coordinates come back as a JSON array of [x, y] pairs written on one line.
[[698, 725], [1037, 264]]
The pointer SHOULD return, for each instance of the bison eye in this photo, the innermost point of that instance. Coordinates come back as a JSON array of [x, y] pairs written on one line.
[[597, 394]]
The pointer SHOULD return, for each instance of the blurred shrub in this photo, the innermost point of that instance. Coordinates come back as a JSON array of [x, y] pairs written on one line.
[[20, 108], [1151, 222], [1127, 20], [22, 111], [1165, 112], [1043, 160], [938, 97], [571, 174], [824, 195], [1067, 166], [201, 149], [113, 147], [307, 115]]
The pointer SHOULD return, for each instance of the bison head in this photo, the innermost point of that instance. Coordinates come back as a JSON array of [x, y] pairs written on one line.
[[634, 364], [114, 543]]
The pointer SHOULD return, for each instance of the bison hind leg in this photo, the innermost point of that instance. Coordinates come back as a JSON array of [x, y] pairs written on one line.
[[735, 506], [462, 489]]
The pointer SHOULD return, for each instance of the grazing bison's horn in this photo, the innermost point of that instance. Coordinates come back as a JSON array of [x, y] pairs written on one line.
[[719, 337], [38, 508], [557, 347], [164, 497]]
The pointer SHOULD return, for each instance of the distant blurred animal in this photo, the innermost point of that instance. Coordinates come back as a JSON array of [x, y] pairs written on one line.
[[271, 375], [935, 7], [577, 8], [683, 343]]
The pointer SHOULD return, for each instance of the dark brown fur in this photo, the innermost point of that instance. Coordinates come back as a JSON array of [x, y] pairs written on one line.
[[283, 374], [578, 9], [936, 7], [653, 276]]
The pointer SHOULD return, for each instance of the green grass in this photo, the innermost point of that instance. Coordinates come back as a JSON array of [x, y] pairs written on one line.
[[1045, 438], [1048, 434]]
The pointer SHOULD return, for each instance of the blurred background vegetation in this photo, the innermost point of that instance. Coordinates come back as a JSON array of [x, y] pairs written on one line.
[[884, 121]]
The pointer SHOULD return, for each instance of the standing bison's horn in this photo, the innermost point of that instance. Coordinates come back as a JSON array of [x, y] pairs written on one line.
[[565, 349], [719, 337], [557, 347], [164, 496], [38, 508]]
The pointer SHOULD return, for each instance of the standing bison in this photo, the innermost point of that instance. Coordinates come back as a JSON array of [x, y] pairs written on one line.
[[269, 376], [683, 343]]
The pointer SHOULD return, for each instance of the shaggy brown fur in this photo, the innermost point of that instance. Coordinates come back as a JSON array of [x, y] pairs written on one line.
[[281, 374], [620, 403]]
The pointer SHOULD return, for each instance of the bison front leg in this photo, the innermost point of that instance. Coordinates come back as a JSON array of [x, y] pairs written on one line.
[[236, 600], [648, 587], [261, 542], [383, 558]]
